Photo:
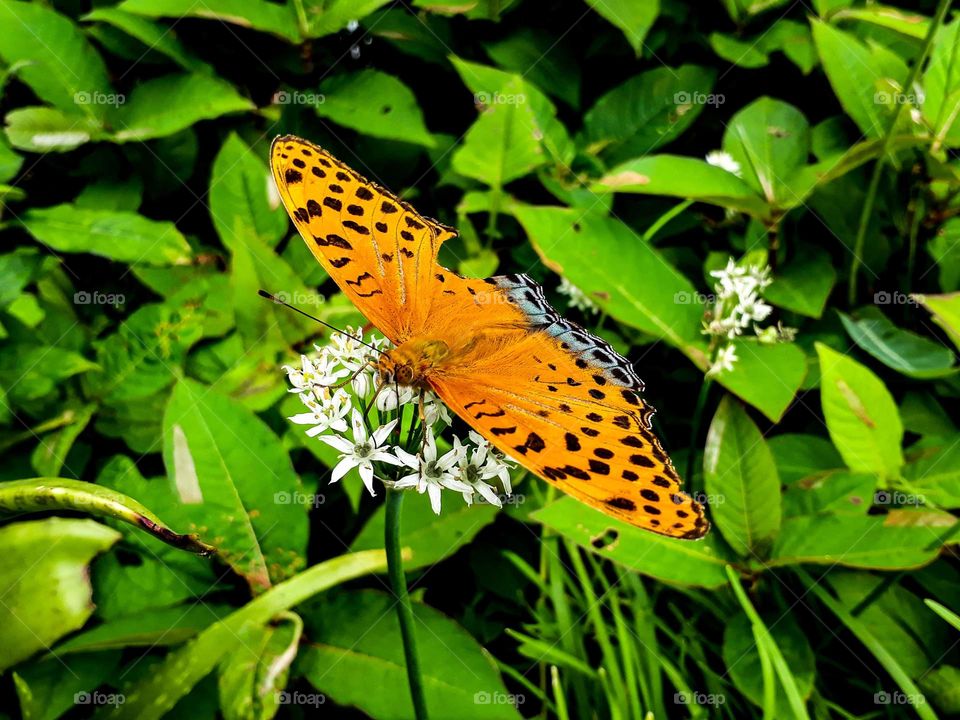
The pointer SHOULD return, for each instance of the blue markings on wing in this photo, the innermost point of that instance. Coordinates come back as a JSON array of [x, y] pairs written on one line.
[[527, 295]]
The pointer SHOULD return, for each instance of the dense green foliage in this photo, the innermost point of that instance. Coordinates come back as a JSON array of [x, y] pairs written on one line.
[[140, 379]]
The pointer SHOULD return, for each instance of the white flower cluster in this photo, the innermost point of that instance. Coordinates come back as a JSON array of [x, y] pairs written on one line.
[[738, 305], [341, 381], [577, 298], [724, 161]]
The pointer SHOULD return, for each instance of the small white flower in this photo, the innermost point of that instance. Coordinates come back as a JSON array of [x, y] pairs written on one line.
[[362, 452], [473, 468], [391, 396], [724, 161], [577, 298], [726, 357], [431, 473], [326, 414], [751, 308]]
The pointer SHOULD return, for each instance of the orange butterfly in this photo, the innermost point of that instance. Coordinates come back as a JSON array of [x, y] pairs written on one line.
[[545, 391]]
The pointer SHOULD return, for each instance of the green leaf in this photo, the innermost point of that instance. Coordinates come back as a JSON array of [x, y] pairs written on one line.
[[429, 537], [766, 376], [804, 284], [49, 457], [862, 418], [231, 474], [800, 456], [157, 37], [177, 674], [357, 636], [743, 53], [606, 259], [941, 86], [166, 105], [739, 472], [933, 471], [906, 352], [945, 310], [681, 177], [325, 17], [697, 564], [52, 686], [838, 492], [862, 77], [770, 139], [376, 104], [251, 682], [124, 236], [901, 540], [648, 110], [944, 249], [240, 198], [46, 494], [35, 611], [43, 129], [521, 51], [633, 17], [60, 65], [271, 17]]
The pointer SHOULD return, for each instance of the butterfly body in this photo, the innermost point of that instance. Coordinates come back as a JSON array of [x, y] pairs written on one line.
[[540, 388]]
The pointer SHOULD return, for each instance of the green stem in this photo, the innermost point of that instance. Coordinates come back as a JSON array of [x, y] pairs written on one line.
[[404, 609], [868, 203]]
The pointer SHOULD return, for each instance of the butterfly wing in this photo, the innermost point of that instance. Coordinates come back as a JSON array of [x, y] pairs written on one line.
[[376, 247], [567, 407]]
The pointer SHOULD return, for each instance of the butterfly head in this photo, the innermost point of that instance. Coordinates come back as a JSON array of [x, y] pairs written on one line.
[[411, 362]]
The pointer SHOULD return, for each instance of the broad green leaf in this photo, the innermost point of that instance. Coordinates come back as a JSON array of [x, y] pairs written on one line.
[[743, 663], [924, 415], [739, 472], [171, 103], [746, 53], [606, 258], [901, 540], [933, 471], [49, 456], [633, 17], [17, 269], [325, 17], [35, 611], [124, 236], [861, 416], [910, 24], [157, 37], [804, 284], [10, 162], [697, 564], [770, 139], [153, 628], [374, 103], [682, 177], [903, 351], [766, 376], [52, 686], [864, 79], [43, 129], [648, 110], [173, 678], [944, 248], [231, 472], [521, 52], [251, 682], [800, 456], [945, 310], [357, 636], [271, 17], [941, 86], [31, 372], [46, 494], [240, 202], [60, 64], [430, 538], [838, 492]]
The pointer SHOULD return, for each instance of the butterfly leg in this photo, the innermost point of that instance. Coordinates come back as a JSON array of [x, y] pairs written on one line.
[[350, 379]]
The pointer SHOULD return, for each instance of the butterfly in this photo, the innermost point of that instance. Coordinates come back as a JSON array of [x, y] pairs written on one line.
[[557, 399]]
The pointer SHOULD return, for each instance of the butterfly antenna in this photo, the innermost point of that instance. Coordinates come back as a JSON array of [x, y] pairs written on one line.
[[268, 296]]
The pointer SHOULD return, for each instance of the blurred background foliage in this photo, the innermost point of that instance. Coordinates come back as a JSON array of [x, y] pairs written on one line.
[[140, 373]]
